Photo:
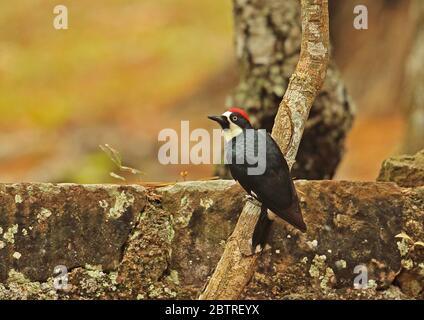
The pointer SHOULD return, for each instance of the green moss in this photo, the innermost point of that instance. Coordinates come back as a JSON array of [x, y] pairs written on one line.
[[206, 203], [408, 264], [372, 284], [18, 198], [317, 266], [155, 291], [341, 264], [122, 202], [94, 282], [173, 277], [19, 287], [94, 272], [17, 277], [421, 267], [103, 204], [9, 235], [169, 225], [403, 247], [185, 212], [328, 279], [44, 214], [49, 188], [17, 255]]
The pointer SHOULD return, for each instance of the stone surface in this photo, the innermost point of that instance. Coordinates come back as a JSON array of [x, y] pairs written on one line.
[[46, 225], [405, 170], [349, 224], [128, 242]]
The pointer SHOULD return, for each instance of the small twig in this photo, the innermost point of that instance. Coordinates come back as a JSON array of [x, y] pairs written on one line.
[[116, 158]]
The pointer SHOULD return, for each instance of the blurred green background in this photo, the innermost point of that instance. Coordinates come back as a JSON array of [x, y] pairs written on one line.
[[125, 69], [116, 54], [116, 73]]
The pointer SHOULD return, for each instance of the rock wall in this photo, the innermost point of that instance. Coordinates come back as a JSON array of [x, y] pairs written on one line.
[[405, 170], [129, 242]]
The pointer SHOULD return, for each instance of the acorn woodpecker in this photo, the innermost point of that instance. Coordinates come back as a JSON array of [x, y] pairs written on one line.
[[257, 163]]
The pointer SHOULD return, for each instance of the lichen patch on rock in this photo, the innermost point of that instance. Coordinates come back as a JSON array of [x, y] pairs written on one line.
[[122, 202], [18, 199], [9, 235], [167, 247], [43, 215]]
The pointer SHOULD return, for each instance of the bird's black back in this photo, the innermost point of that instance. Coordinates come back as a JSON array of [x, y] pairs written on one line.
[[274, 188]]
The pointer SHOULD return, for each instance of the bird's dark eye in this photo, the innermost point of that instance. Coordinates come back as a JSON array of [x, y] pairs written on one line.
[[234, 118]]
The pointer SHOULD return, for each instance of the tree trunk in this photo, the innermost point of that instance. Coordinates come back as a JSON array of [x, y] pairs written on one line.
[[237, 263], [414, 140], [267, 37]]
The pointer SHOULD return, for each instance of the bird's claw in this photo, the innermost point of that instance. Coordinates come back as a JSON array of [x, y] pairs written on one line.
[[249, 197], [252, 199]]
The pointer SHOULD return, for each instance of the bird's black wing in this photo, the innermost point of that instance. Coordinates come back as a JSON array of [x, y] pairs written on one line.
[[274, 188]]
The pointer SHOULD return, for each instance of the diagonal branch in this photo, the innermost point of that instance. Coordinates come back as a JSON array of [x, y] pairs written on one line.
[[237, 264]]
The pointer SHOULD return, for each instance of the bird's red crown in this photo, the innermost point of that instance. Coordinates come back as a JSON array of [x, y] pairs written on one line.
[[241, 112]]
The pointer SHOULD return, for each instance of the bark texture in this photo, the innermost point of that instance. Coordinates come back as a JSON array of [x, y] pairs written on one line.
[[129, 242], [268, 39], [415, 85], [237, 264]]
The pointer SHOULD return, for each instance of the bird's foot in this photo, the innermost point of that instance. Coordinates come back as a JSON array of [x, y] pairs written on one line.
[[252, 199], [249, 197]]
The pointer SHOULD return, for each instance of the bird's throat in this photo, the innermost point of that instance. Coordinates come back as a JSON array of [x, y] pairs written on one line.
[[232, 132]]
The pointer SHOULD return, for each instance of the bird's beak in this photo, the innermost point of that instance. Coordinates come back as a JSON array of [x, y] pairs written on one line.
[[222, 120]]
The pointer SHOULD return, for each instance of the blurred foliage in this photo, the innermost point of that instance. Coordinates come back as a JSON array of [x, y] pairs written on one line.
[[116, 55], [92, 169], [126, 68]]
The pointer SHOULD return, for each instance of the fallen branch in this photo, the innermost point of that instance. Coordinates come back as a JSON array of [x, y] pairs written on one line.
[[237, 264]]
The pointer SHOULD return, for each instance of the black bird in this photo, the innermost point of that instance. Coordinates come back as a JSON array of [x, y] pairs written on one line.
[[256, 162]]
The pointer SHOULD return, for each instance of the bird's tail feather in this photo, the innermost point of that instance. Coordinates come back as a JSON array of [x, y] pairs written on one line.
[[293, 215], [261, 230]]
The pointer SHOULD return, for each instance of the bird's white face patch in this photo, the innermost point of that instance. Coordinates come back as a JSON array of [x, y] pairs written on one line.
[[234, 129]]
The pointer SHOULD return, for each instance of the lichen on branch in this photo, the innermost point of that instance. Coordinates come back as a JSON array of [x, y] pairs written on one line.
[[236, 266]]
